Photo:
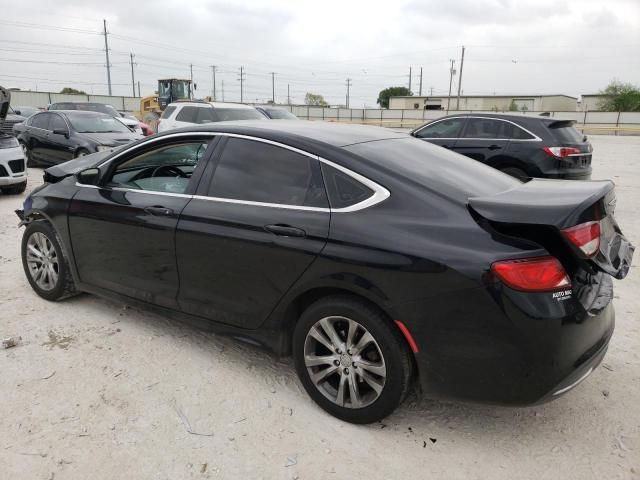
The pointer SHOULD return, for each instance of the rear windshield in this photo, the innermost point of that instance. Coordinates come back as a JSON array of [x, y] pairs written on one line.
[[448, 173], [566, 133], [280, 114], [167, 112], [225, 114]]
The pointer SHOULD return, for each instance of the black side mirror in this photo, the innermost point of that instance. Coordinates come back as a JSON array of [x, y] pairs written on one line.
[[17, 112], [61, 131], [90, 176]]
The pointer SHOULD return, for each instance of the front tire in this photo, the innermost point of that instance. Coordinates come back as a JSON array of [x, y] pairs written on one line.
[[352, 361], [44, 263]]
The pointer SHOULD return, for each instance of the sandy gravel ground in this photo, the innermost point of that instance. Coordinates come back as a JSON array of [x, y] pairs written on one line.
[[98, 390]]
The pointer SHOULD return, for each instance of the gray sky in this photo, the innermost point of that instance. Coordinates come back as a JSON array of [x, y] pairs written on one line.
[[513, 46]]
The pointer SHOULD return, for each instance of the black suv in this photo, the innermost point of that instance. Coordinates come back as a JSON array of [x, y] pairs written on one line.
[[522, 146]]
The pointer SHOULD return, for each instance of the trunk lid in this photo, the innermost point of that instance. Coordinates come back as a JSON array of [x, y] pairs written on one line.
[[566, 135], [539, 209]]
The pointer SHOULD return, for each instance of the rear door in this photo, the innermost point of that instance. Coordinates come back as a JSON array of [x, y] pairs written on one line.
[[38, 131], [259, 219], [444, 132], [482, 139], [123, 231]]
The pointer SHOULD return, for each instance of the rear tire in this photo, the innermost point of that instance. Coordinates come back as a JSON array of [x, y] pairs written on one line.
[[14, 189], [44, 263], [516, 172], [333, 371]]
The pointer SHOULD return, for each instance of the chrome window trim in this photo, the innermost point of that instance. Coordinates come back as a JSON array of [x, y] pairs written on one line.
[[379, 192], [574, 384], [534, 139]]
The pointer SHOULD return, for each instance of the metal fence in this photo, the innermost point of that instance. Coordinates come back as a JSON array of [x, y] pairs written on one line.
[[619, 123], [591, 122]]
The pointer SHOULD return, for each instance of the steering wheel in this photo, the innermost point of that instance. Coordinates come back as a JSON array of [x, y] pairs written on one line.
[[169, 169]]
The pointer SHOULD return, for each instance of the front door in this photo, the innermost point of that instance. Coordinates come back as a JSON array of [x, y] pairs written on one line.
[[58, 148], [483, 139], [443, 132], [259, 220], [123, 231]]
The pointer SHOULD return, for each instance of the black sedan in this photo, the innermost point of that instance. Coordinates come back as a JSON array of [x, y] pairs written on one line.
[[372, 257], [49, 138], [523, 146]]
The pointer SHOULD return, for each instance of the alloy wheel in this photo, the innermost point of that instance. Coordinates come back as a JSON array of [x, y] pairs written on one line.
[[344, 362], [42, 261]]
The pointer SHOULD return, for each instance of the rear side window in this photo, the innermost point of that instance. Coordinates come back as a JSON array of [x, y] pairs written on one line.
[[484, 128], [258, 172], [168, 112], [566, 133], [516, 133], [449, 128], [40, 120], [344, 190]]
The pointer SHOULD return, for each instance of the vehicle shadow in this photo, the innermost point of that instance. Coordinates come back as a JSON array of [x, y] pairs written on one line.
[[418, 416]]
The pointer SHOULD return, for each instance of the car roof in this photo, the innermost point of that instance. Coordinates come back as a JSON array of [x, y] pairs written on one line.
[[187, 103], [331, 133], [85, 113]]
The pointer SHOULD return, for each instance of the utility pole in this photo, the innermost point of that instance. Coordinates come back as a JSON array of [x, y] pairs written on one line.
[[348, 87], [288, 96], [106, 51], [431, 91], [213, 90], [273, 87], [139, 88], [420, 94], [133, 79], [409, 78], [191, 78], [241, 78], [452, 72], [460, 79], [223, 90]]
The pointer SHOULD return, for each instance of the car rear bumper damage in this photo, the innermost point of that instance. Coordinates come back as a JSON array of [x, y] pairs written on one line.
[[495, 349]]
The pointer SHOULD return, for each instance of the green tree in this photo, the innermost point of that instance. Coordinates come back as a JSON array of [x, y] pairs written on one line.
[[72, 91], [620, 97], [512, 106], [387, 93], [315, 99]]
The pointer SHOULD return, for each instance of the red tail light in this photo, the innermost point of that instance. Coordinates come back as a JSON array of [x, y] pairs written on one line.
[[539, 274], [585, 236], [562, 152]]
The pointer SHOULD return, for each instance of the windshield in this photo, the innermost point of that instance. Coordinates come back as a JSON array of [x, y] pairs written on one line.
[[225, 114], [96, 124], [280, 114]]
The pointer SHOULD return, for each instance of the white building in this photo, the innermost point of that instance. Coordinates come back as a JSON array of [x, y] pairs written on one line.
[[498, 103]]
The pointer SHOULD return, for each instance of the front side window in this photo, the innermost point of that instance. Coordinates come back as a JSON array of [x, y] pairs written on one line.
[[258, 172], [164, 169], [57, 123], [449, 128]]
